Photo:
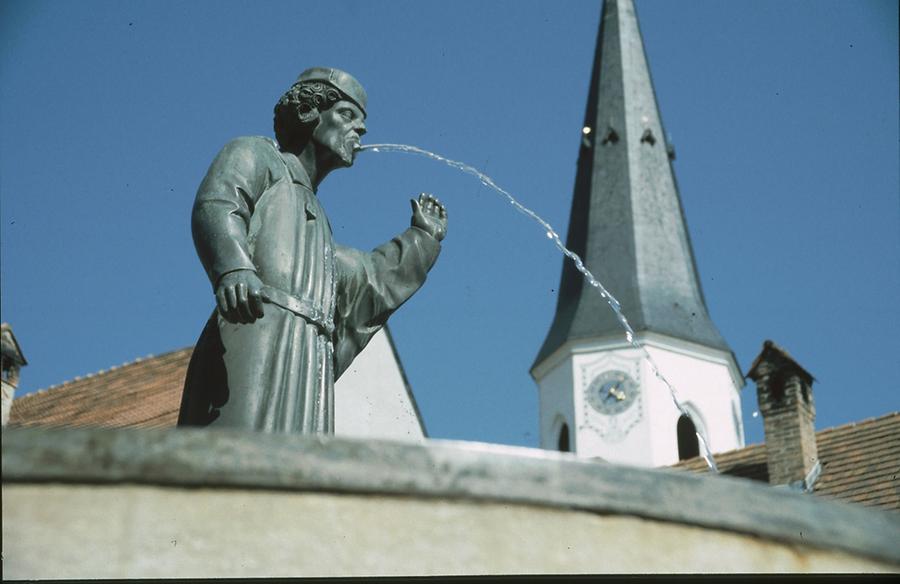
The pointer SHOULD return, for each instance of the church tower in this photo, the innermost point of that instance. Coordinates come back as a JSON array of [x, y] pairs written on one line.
[[599, 396]]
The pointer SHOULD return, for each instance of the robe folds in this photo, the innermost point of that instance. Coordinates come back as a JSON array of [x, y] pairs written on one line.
[[256, 210]]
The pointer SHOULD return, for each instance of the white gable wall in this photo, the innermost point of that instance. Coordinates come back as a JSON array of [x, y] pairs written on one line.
[[372, 399]]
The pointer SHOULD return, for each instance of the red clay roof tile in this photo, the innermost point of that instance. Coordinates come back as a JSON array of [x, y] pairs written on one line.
[[144, 393], [860, 462]]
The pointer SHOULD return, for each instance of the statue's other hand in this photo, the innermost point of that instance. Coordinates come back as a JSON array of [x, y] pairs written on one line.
[[429, 215], [238, 296]]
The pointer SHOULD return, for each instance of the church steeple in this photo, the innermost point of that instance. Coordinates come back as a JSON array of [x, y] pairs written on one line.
[[626, 220], [599, 395]]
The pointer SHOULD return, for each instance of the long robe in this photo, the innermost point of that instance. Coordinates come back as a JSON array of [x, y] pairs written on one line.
[[256, 210]]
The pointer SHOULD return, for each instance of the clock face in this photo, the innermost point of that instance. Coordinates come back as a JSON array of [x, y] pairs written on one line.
[[612, 392]]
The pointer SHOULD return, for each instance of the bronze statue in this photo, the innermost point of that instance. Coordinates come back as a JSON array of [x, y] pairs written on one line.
[[293, 307]]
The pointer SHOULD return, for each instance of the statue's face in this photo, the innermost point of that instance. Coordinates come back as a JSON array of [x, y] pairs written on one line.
[[339, 130]]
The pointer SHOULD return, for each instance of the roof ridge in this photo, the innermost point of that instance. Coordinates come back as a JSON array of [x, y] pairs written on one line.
[[858, 423], [87, 376], [819, 433]]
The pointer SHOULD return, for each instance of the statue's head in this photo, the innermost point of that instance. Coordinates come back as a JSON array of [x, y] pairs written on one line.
[[325, 105]]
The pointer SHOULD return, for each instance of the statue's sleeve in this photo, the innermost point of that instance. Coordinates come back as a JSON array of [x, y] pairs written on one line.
[[225, 200], [373, 285]]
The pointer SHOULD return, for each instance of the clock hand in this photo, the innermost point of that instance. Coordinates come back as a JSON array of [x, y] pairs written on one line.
[[604, 395], [614, 391]]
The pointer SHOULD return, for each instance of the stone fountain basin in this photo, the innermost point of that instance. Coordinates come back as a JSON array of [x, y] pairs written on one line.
[[102, 503]]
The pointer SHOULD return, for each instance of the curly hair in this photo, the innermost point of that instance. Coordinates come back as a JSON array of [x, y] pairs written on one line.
[[297, 112]]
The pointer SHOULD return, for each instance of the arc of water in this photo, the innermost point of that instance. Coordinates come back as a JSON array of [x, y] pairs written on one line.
[[579, 264]]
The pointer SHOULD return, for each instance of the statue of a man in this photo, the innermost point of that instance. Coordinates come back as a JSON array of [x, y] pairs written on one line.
[[293, 307]]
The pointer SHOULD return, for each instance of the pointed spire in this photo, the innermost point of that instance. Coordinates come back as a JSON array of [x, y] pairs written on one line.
[[626, 221]]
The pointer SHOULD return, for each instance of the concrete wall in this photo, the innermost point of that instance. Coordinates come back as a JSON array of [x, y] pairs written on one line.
[[132, 531], [92, 503]]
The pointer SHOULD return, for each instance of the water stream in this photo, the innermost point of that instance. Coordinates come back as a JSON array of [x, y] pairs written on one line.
[[551, 234]]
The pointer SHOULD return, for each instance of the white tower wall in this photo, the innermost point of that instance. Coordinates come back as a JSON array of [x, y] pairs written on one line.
[[707, 384], [556, 407]]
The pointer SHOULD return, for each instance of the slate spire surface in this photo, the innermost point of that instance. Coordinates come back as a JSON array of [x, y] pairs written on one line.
[[627, 221]]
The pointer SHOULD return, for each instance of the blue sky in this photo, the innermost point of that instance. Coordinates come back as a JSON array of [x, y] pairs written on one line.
[[784, 116]]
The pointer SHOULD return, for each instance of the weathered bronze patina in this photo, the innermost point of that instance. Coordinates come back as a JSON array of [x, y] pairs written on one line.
[[293, 307]]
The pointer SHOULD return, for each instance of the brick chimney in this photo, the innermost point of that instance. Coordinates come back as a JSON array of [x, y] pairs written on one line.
[[12, 361], [784, 392]]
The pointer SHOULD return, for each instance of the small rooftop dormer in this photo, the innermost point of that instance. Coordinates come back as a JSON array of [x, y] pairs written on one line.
[[12, 361]]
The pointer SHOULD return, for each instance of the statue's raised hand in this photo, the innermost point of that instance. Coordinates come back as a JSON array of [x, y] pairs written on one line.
[[238, 296], [429, 215]]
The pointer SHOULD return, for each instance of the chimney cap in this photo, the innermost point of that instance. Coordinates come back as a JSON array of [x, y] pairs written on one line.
[[773, 357]]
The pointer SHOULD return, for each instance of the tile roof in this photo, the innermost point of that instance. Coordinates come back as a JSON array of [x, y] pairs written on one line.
[[860, 462], [142, 394]]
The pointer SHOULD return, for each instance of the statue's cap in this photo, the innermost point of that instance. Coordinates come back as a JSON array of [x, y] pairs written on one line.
[[343, 81]]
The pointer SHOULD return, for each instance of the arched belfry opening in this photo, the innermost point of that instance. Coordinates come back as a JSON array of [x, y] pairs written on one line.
[[688, 446], [563, 443]]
